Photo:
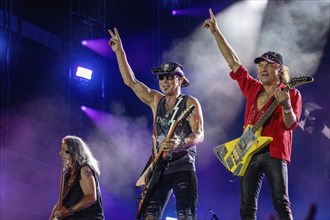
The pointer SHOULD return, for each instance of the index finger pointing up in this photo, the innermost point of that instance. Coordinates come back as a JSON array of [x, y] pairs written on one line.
[[211, 15]]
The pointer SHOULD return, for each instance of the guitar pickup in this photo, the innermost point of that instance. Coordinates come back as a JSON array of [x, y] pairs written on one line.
[[224, 152], [230, 163], [238, 169]]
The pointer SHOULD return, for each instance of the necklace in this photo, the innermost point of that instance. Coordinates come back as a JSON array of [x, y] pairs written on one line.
[[266, 98], [168, 110]]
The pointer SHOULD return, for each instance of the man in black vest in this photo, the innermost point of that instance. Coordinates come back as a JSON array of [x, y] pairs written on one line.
[[81, 192], [178, 172]]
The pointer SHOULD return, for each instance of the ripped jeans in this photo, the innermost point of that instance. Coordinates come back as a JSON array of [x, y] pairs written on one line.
[[184, 186]]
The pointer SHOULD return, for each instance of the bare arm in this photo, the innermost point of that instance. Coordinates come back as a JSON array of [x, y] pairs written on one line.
[[88, 186], [144, 93], [226, 50], [196, 123]]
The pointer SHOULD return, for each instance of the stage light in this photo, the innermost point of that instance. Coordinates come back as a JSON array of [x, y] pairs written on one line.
[[170, 218], [97, 46], [84, 73], [173, 12], [83, 108]]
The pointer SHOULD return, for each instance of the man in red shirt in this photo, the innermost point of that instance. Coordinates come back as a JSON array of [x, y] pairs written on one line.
[[273, 159]]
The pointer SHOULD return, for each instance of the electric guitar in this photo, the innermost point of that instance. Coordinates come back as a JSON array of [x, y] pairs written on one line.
[[152, 173], [235, 155], [65, 163]]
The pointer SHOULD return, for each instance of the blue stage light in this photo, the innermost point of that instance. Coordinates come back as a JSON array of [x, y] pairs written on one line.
[[84, 73]]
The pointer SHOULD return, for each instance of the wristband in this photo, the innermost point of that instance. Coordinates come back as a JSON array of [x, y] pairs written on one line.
[[287, 111], [70, 212], [183, 142]]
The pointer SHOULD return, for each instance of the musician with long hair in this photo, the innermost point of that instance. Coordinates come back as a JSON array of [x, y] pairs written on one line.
[[272, 160], [81, 194], [178, 172]]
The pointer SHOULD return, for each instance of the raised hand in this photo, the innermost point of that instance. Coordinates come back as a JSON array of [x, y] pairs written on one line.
[[211, 23], [115, 41]]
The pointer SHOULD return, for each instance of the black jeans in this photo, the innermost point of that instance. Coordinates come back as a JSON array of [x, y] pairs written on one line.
[[276, 173], [184, 186]]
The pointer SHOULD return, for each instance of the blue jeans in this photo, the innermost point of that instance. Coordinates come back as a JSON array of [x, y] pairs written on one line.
[[184, 186], [276, 173]]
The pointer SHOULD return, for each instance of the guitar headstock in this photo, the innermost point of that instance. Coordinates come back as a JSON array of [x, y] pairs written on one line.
[[186, 113], [296, 81]]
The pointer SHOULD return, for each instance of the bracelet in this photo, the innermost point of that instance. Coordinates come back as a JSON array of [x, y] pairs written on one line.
[[287, 110], [70, 212], [183, 142]]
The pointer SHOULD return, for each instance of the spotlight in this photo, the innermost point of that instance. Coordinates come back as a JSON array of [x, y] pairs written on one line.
[[84, 42], [170, 218], [174, 12], [84, 73], [83, 108]]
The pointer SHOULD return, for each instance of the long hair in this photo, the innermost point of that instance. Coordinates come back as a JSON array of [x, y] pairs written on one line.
[[81, 153], [284, 74]]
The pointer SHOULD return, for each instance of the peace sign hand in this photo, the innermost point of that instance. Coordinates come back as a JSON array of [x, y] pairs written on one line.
[[211, 23], [115, 41]]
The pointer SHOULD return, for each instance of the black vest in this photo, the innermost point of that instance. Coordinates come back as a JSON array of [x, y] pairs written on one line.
[[93, 212], [183, 160]]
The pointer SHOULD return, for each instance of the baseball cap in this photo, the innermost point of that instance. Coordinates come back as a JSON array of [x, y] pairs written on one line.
[[171, 67], [271, 57]]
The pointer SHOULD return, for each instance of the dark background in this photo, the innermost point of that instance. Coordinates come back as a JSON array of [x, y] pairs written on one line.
[[40, 47]]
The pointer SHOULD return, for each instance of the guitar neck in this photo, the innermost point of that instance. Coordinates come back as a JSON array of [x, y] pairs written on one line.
[[270, 109], [60, 196], [182, 117], [161, 150]]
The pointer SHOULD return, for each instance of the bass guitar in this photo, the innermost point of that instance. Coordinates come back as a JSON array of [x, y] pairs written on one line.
[[152, 173], [235, 155], [65, 163]]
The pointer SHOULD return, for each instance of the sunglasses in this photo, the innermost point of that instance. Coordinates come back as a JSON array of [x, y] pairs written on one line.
[[167, 76]]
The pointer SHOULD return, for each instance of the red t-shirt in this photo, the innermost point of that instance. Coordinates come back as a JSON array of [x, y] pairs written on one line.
[[281, 146]]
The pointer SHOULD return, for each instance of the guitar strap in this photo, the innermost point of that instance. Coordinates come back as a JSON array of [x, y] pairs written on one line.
[[176, 108], [150, 185], [269, 118], [264, 108]]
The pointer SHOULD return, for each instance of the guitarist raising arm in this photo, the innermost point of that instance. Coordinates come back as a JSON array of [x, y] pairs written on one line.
[[177, 163], [272, 160]]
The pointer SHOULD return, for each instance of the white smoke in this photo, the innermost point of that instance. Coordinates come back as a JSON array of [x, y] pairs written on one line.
[[299, 31], [208, 72], [123, 146], [296, 29]]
